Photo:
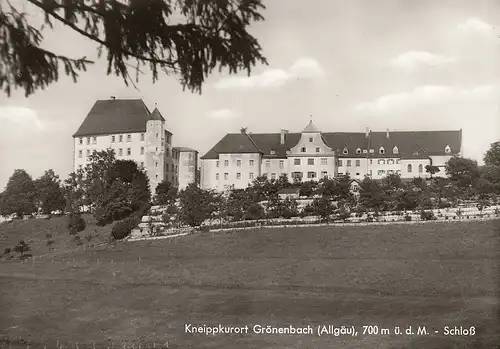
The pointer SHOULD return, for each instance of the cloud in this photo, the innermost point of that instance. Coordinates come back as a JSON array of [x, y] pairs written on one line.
[[478, 26], [223, 114], [411, 60], [20, 116], [303, 68], [429, 95]]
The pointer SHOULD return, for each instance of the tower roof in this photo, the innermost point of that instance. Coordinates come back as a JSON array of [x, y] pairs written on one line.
[[156, 115], [310, 128]]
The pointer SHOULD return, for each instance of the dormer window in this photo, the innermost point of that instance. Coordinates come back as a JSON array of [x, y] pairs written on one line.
[[447, 150], [303, 149], [381, 150], [358, 151], [273, 152], [395, 150], [345, 151], [372, 151], [310, 139], [365, 151]]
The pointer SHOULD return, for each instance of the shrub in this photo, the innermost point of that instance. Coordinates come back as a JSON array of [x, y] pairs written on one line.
[[205, 229], [407, 217], [123, 228], [76, 223], [427, 215], [7, 250], [446, 217], [22, 248], [255, 211]]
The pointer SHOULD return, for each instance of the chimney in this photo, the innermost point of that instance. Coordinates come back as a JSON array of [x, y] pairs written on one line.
[[243, 130], [367, 132], [387, 133], [282, 138]]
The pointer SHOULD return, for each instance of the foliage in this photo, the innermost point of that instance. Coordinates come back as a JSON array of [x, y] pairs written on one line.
[[462, 171], [22, 248], [322, 206], [165, 192], [427, 215], [343, 213], [371, 195], [76, 223], [278, 208], [123, 228], [6, 251], [492, 156], [308, 188], [432, 170], [255, 212], [197, 204], [238, 202], [49, 192], [19, 195], [186, 38]]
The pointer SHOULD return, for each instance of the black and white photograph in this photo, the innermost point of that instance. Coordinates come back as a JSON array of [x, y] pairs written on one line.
[[249, 174]]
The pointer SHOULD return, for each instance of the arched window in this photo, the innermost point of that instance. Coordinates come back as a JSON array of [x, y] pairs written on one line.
[[409, 168], [447, 149], [395, 150], [358, 151], [345, 151], [420, 168], [381, 150]]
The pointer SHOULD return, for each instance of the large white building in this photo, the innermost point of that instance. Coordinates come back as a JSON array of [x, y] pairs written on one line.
[[135, 133], [238, 158]]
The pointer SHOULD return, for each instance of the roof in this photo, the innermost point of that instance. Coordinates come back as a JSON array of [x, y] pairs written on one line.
[[310, 128], [156, 115], [115, 116], [289, 191], [409, 144], [185, 149]]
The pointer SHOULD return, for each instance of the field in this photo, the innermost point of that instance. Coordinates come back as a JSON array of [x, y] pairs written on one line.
[[432, 275]]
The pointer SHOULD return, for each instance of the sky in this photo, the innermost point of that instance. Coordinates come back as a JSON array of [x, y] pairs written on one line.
[[401, 65]]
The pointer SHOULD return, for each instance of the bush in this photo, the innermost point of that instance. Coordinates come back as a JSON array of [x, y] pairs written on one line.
[[123, 228], [76, 223], [6, 251], [427, 215], [255, 211], [407, 217]]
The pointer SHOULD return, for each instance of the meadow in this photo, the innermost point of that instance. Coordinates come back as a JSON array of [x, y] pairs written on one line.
[[131, 293]]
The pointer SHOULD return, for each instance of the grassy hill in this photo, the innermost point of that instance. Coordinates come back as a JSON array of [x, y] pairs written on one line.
[[432, 275]]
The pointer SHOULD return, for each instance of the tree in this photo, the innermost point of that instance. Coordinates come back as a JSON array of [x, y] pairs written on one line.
[[432, 170], [19, 194], [323, 207], [492, 156], [22, 248], [49, 193], [238, 203], [371, 195], [204, 35], [197, 204], [308, 188], [462, 171], [166, 193]]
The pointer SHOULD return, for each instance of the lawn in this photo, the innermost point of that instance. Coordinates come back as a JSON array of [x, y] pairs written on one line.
[[432, 275]]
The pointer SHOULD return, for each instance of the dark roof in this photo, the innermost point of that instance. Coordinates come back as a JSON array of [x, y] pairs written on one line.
[[410, 144], [115, 116], [289, 191], [156, 115], [185, 149]]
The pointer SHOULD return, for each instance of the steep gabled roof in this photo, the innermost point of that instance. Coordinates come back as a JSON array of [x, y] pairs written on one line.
[[310, 128], [411, 144], [115, 116], [156, 115]]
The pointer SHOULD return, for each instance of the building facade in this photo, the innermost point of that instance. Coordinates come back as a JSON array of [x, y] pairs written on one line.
[[187, 166], [134, 133], [237, 159]]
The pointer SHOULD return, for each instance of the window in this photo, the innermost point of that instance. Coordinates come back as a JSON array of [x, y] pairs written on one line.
[[268, 163], [390, 162], [357, 173], [113, 139], [167, 151], [365, 151], [409, 168], [142, 164], [94, 140], [358, 151], [226, 175], [324, 161], [372, 151], [296, 161], [88, 152], [238, 163], [381, 172], [371, 161], [303, 149], [80, 153], [348, 163], [251, 162], [226, 163], [340, 163], [238, 175], [273, 152], [311, 174], [142, 150], [358, 163], [346, 151], [264, 175], [310, 161], [129, 138], [447, 149], [397, 161], [142, 137], [381, 162], [156, 135], [88, 140], [217, 163], [129, 151], [310, 139], [381, 150], [81, 141], [398, 172], [120, 138], [390, 172], [324, 174], [120, 152], [370, 173], [297, 175], [282, 164], [166, 167], [395, 150], [340, 173], [216, 176], [273, 175], [156, 164], [420, 168], [317, 149], [250, 175], [156, 176]]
